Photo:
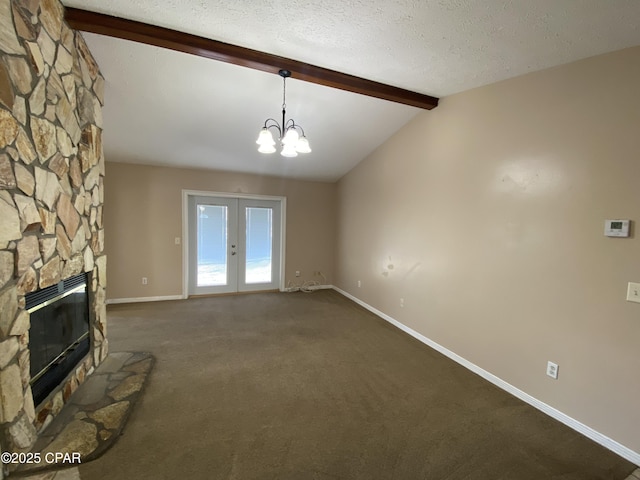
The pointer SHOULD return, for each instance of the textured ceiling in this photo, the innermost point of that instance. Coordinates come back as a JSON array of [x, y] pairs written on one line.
[[168, 108], [436, 47]]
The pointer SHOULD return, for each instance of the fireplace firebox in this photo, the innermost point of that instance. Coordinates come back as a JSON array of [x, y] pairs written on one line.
[[59, 333]]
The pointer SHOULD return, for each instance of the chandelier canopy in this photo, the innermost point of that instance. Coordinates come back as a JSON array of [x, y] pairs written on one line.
[[290, 134]]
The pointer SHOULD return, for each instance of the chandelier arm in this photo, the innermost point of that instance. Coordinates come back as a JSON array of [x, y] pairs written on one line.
[[291, 123], [272, 120], [274, 124]]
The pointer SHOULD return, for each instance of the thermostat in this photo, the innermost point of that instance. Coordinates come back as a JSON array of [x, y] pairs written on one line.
[[616, 228]]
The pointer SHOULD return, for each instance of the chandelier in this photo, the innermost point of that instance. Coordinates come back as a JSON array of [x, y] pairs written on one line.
[[290, 134]]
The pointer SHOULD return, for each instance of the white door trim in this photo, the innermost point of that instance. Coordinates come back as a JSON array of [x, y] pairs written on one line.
[[185, 229]]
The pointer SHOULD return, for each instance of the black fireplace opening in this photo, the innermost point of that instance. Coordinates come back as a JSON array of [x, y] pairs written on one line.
[[59, 333]]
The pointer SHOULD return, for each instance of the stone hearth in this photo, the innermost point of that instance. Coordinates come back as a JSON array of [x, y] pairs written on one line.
[[91, 422], [51, 197]]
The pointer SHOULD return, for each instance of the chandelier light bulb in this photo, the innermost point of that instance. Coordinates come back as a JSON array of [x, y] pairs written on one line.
[[265, 138], [302, 145], [289, 151], [265, 148], [291, 137]]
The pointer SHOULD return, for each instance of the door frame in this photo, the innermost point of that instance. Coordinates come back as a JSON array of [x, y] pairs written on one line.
[[185, 229]]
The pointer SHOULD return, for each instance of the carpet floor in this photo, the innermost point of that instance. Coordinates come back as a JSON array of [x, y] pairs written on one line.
[[312, 386]]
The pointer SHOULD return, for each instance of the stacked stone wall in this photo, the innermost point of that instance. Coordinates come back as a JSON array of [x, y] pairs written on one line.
[[51, 196]]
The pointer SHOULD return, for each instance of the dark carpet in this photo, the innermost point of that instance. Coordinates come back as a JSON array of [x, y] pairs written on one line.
[[312, 386]]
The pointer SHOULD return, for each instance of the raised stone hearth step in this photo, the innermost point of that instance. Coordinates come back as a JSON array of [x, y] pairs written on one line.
[[95, 415]]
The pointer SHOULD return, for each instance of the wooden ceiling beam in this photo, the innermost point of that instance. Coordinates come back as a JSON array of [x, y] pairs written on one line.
[[84, 20]]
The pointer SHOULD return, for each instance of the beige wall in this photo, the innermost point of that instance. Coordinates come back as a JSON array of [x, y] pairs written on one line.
[[486, 215], [143, 215]]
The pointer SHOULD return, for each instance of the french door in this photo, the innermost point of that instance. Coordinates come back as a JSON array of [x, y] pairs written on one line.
[[234, 244]]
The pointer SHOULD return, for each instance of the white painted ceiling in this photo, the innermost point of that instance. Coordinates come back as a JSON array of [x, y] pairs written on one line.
[[170, 108]]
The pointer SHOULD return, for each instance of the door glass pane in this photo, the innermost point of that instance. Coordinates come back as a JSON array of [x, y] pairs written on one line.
[[212, 245], [258, 245]]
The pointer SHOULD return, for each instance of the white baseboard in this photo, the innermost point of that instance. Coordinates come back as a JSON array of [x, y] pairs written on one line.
[[585, 430], [144, 299]]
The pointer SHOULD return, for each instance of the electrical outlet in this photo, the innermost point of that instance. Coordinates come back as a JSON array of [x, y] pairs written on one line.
[[144, 280], [297, 273], [177, 240], [552, 370], [402, 302], [359, 284], [633, 292]]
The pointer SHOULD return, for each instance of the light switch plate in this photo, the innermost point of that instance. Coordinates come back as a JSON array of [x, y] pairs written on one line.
[[633, 292]]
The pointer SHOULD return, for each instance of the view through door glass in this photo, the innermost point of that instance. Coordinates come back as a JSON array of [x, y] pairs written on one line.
[[212, 245], [259, 261]]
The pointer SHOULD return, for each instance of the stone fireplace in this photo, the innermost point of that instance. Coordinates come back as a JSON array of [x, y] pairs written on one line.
[[51, 201]]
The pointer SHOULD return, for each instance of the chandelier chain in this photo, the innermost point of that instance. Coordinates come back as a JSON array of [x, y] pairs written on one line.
[[284, 93]]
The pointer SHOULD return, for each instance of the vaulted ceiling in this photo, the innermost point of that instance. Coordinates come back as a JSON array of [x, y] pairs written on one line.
[[169, 108]]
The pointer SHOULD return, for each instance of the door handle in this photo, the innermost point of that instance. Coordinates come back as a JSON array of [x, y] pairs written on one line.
[[233, 253]]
